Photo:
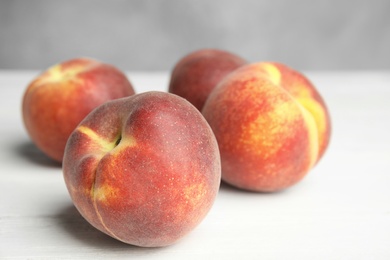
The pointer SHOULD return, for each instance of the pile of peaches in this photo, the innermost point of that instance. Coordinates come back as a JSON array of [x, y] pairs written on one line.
[[146, 168]]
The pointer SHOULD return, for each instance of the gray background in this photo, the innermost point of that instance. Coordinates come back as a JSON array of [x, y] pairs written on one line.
[[153, 35]]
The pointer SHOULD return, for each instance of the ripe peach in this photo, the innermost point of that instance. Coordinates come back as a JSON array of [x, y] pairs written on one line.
[[271, 124], [143, 169], [58, 99], [197, 73]]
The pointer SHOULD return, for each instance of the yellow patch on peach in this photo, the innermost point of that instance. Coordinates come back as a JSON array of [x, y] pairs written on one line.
[[267, 129], [193, 196], [58, 73], [318, 113], [104, 193], [125, 143], [313, 136], [194, 192], [302, 91], [273, 72], [99, 141]]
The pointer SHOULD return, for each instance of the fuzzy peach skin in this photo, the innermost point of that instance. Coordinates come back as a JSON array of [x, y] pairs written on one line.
[[271, 124], [197, 73], [57, 100], [143, 169]]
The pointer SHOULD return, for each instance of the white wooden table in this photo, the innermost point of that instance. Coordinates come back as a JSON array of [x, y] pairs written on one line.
[[341, 210]]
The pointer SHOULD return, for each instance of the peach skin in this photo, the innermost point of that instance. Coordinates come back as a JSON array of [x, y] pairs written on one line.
[[197, 73], [143, 169], [271, 124], [57, 100]]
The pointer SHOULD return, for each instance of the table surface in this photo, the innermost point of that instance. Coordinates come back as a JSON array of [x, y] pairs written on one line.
[[341, 210]]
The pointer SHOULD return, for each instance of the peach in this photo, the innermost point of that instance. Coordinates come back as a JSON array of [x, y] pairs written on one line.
[[57, 100], [197, 73], [271, 124], [143, 169]]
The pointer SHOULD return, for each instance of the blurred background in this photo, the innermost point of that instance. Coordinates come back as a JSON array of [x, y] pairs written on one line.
[[152, 35]]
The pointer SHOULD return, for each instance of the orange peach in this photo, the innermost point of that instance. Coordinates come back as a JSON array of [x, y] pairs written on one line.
[[143, 169], [57, 100], [271, 124], [197, 73]]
